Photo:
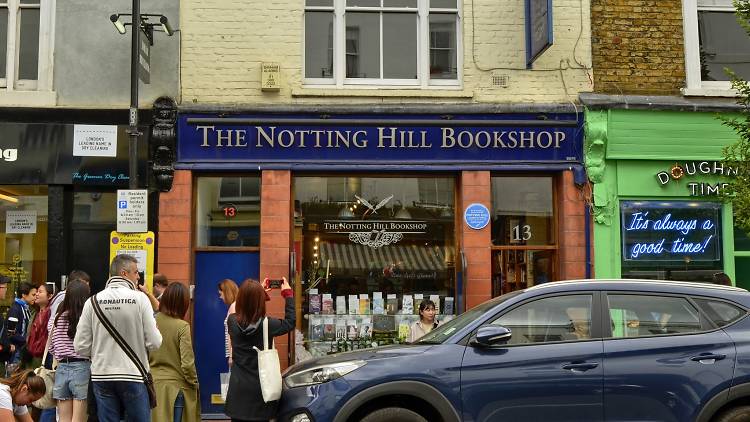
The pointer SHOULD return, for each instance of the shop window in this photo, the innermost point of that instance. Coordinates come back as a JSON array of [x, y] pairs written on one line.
[[523, 232], [671, 240], [25, 44], [23, 239], [714, 40], [350, 42], [94, 207], [372, 248], [228, 211]]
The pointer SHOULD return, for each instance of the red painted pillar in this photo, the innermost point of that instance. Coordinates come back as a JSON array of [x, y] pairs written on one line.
[[476, 244]]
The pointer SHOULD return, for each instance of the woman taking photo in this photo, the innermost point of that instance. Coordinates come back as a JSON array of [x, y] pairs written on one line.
[[228, 293], [426, 321], [73, 371], [173, 364], [244, 398], [18, 391]]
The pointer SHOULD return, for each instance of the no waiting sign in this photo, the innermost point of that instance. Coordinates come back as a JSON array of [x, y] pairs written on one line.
[[132, 210]]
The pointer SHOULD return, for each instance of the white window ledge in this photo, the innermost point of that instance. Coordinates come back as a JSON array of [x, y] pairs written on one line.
[[28, 98], [384, 92], [709, 92]]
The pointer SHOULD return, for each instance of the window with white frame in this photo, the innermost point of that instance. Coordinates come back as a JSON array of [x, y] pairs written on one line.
[[714, 40], [25, 44], [382, 42]]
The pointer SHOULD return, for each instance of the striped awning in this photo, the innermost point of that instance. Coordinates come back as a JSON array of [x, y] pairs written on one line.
[[406, 257]]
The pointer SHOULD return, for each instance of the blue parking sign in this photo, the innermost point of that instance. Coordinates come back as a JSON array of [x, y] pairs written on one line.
[[122, 205]]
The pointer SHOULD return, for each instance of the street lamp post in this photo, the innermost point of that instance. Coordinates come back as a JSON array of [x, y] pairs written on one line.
[[145, 25], [133, 114]]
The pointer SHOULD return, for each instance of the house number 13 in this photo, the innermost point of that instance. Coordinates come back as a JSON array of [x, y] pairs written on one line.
[[521, 232]]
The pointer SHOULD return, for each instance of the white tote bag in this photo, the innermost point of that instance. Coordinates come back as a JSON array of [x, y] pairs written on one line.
[[269, 369]]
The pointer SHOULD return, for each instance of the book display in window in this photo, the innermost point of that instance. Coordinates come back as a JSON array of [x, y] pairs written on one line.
[[327, 304], [364, 304], [329, 328], [407, 306], [391, 304], [340, 305], [378, 304], [315, 302], [353, 305]]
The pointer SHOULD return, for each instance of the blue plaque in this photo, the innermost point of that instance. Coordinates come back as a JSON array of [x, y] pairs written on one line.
[[477, 216]]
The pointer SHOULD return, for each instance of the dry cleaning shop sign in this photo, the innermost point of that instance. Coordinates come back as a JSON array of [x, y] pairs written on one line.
[[670, 231]]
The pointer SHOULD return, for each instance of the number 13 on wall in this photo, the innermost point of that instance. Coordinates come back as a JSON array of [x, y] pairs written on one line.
[[520, 233]]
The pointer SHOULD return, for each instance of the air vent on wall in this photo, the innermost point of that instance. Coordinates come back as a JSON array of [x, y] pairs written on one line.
[[500, 81]]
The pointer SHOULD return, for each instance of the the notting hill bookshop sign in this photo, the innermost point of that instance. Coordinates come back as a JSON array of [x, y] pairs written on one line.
[[671, 231], [202, 139]]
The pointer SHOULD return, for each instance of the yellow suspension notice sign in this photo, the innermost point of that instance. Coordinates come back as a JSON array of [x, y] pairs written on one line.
[[139, 245]]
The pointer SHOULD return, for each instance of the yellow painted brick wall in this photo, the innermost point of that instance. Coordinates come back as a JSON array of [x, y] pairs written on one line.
[[225, 41]]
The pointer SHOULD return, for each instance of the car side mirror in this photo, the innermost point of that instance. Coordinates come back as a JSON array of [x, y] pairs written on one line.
[[491, 335]]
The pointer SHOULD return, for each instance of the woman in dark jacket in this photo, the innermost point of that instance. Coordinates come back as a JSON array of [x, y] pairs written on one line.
[[244, 398]]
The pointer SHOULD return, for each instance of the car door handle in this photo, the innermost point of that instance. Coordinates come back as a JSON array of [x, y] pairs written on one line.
[[580, 367], [708, 358]]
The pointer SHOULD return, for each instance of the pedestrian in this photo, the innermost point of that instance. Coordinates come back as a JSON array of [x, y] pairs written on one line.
[[160, 284], [39, 333], [117, 381], [21, 310], [244, 399], [58, 298], [173, 364], [6, 346], [228, 293], [722, 279], [18, 391], [426, 321], [73, 370]]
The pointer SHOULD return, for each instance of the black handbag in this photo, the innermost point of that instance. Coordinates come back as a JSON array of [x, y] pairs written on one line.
[[148, 380]]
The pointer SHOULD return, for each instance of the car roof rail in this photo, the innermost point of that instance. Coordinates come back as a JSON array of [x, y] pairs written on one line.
[[636, 280]]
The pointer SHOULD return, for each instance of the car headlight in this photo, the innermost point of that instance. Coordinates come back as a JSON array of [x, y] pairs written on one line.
[[321, 374]]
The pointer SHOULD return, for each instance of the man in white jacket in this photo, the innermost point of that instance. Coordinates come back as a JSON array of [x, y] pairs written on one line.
[[118, 385]]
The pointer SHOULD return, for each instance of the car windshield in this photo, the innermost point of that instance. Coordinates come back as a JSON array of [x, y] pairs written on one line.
[[445, 331]]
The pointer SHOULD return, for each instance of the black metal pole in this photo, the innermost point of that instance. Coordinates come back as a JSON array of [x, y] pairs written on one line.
[[133, 119]]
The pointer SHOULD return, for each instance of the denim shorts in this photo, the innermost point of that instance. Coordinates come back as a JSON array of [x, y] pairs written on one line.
[[72, 380]]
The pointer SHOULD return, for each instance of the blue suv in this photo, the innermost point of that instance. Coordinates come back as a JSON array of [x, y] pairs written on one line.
[[600, 350]]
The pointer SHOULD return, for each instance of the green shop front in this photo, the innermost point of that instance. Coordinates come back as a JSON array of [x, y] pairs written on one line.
[[656, 176]]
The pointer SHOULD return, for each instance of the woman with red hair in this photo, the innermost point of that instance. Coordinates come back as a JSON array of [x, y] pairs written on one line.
[[244, 399]]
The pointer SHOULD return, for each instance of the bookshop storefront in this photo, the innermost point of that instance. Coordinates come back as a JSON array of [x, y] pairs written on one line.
[[368, 216]]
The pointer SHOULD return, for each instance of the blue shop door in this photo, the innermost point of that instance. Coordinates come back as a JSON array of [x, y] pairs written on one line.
[[210, 311]]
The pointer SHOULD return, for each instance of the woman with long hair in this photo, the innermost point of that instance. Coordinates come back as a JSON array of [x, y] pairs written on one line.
[[73, 371], [244, 398], [173, 364], [228, 293], [38, 334], [16, 392]]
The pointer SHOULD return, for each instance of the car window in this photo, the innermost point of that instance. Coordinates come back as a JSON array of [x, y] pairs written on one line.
[[646, 315], [444, 331], [557, 318], [721, 313]]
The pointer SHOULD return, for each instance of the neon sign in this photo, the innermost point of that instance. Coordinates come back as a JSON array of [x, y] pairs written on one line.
[[670, 231]]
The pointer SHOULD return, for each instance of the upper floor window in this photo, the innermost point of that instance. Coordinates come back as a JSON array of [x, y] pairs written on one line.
[[382, 42], [714, 40], [25, 47]]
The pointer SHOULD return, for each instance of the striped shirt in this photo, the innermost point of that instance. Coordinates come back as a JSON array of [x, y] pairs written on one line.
[[61, 346]]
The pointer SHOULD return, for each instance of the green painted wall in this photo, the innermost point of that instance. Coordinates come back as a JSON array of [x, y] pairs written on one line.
[[638, 145], [665, 135]]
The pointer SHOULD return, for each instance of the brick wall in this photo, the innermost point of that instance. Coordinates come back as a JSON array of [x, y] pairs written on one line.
[[275, 240], [174, 239], [637, 46], [476, 188], [224, 42], [572, 220]]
